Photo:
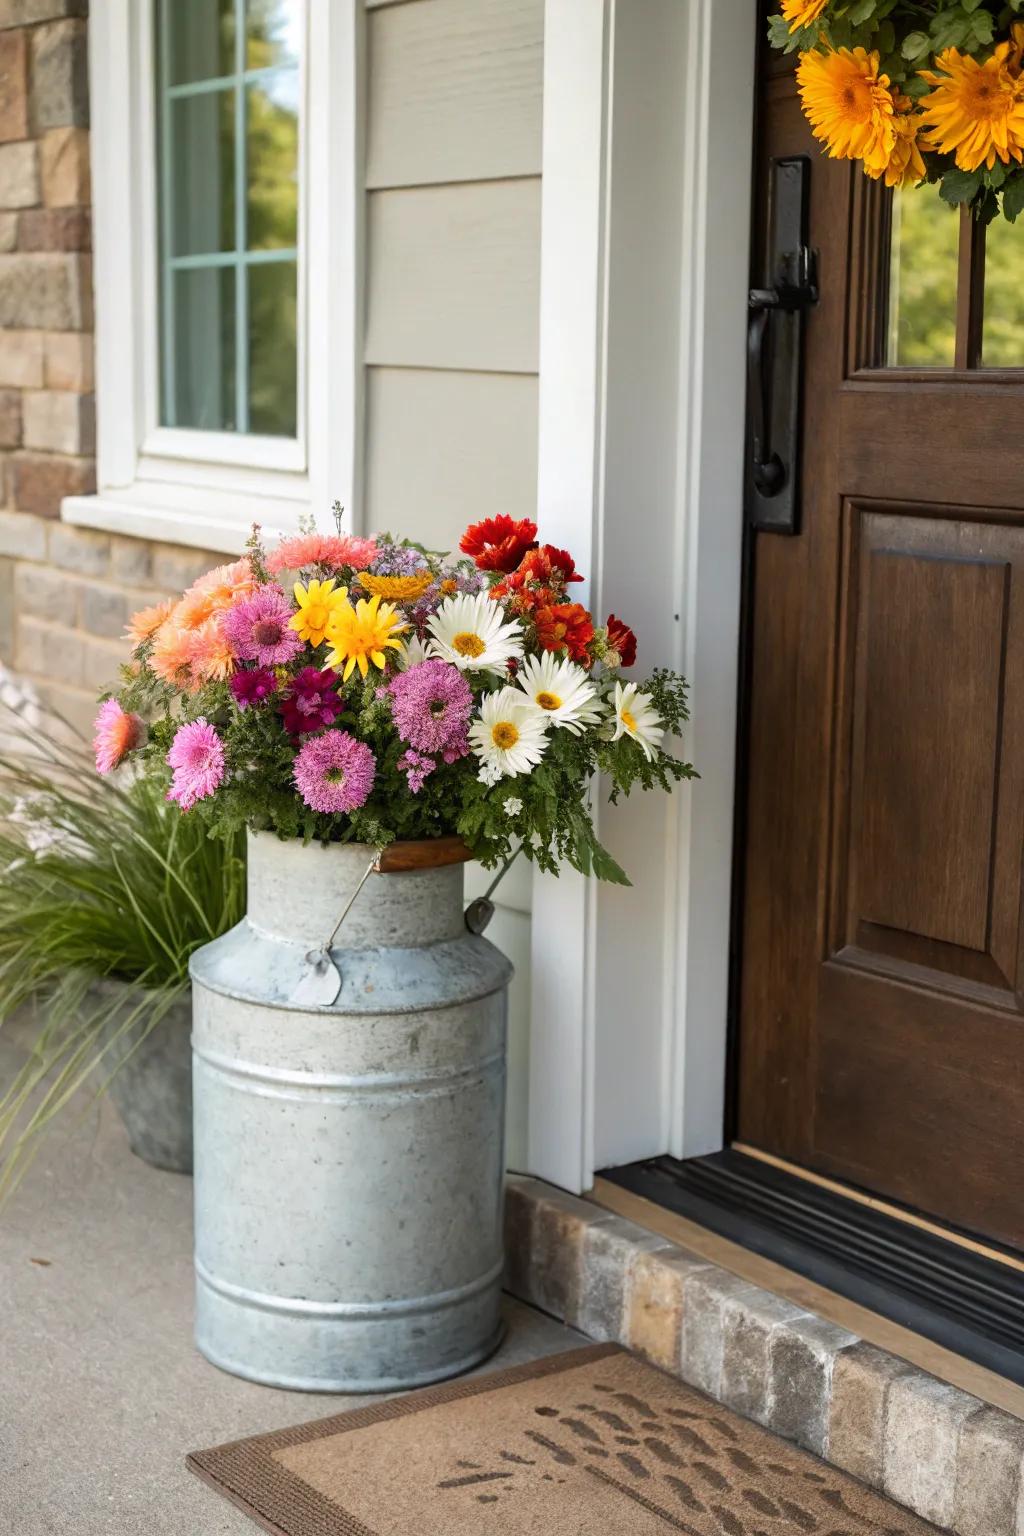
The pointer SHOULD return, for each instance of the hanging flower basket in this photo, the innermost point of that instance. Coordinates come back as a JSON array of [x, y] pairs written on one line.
[[916, 92]]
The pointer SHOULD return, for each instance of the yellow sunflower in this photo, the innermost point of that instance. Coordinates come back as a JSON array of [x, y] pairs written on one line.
[[800, 13], [317, 601], [397, 589], [975, 110], [849, 106], [906, 164], [363, 633]]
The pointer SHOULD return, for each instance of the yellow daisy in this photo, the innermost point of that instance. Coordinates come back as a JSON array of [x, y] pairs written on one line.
[[849, 106], [397, 589], [318, 601], [363, 633], [975, 111], [906, 165], [800, 13]]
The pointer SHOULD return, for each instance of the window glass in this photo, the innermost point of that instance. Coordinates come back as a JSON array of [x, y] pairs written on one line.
[[1002, 329], [228, 145], [923, 256]]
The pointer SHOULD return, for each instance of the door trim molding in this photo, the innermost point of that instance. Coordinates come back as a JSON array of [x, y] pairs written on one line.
[[647, 155]]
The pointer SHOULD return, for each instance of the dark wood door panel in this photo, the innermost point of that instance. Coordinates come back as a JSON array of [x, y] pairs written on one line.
[[919, 1103], [929, 790], [941, 441]]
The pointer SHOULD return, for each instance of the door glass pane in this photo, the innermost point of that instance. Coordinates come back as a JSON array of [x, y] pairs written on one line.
[[200, 39], [228, 82], [272, 348], [1002, 329], [923, 256], [272, 150], [202, 376], [201, 169], [271, 33]]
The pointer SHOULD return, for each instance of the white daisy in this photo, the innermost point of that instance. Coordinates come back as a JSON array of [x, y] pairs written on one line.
[[561, 689], [469, 631], [636, 717], [509, 735], [513, 805], [412, 653]]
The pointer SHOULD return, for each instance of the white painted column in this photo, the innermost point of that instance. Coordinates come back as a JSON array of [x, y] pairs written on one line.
[[647, 149]]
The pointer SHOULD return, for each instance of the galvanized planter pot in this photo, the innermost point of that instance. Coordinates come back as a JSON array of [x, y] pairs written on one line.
[[348, 1158], [152, 1074]]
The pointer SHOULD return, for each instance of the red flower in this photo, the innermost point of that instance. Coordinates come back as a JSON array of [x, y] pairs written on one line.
[[565, 627], [498, 543], [548, 564], [622, 639]]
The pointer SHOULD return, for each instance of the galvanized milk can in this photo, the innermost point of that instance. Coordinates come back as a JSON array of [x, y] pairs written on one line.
[[348, 1156]]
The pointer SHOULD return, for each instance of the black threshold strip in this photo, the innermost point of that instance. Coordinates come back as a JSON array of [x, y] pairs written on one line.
[[967, 1302]]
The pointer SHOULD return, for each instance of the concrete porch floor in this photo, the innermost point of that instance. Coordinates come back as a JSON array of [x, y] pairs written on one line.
[[101, 1390]]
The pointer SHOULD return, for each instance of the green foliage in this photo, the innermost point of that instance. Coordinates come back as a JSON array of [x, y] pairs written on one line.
[[98, 881]]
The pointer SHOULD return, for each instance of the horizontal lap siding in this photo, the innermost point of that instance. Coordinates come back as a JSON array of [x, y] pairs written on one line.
[[453, 159]]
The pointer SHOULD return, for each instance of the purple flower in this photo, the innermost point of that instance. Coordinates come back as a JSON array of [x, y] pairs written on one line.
[[253, 687], [258, 628], [417, 768], [397, 560], [431, 704], [335, 772], [311, 703], [197, 757]]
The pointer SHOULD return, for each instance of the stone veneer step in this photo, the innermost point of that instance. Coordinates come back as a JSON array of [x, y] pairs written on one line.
[[929, 1446]]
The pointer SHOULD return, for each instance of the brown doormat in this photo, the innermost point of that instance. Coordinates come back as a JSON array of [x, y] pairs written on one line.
[[589, 1443]]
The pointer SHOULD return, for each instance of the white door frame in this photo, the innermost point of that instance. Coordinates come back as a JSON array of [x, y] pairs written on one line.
[[648, 122]]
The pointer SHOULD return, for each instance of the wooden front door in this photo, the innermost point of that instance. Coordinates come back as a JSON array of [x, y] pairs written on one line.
[[881, 993]]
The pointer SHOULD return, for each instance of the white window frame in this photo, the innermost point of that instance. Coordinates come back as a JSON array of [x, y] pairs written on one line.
[[207, 488], [648, 108]]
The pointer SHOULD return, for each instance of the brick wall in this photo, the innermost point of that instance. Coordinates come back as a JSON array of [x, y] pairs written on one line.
[[64, 592]]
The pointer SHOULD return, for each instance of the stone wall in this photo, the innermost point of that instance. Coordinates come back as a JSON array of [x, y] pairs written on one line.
[[65, 593]]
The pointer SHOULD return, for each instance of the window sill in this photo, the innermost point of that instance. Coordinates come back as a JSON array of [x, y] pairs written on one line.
[[176, 514]]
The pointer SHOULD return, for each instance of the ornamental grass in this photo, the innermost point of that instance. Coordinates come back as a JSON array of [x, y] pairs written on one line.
[[100, 879]]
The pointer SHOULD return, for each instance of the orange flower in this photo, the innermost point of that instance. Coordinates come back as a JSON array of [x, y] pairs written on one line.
[[143, 624], [849, 105], [800, 13], [565, 627], [170, 657], [209, 652], [976, 110]]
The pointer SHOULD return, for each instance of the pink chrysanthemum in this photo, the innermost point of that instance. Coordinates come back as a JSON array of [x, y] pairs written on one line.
[[431, 704], [197, 757], [210, 652], [335, 772], [417, 768], [333, 550], [258, 628], [116, 734]]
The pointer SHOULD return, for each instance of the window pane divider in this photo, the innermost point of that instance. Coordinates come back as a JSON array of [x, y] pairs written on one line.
[[198, 261], [225, 82]]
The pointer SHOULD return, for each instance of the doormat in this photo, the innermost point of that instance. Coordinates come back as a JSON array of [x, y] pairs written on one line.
[[593, 1441]]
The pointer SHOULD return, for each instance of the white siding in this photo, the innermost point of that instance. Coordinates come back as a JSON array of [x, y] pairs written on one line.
[[453, 154]]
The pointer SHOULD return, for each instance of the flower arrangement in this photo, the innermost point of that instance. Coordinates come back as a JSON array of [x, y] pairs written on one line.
[[916, 90], [351, 689]]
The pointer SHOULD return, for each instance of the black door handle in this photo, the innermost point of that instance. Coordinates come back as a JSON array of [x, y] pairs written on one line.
[[775, 348]]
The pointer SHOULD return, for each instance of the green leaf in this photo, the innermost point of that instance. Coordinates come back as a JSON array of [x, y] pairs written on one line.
[[1013, 198], [960, 186], [970, 5], [863, 10], [886, 42], [916, 45]]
